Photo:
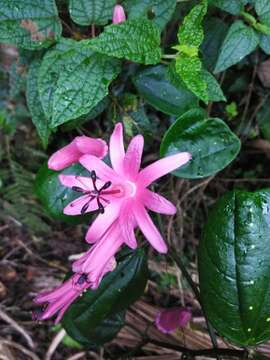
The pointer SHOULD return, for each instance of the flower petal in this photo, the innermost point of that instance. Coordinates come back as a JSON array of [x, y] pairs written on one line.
[[64, 157], [132, 160], [158, 203], [117, 150], [88, 145], [149, 229], [82, 182], [162, 167], [127, 224], [103, 222], [103, 171], [75, 207]]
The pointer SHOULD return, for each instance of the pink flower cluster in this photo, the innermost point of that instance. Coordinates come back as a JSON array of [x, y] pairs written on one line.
[[120, 196]]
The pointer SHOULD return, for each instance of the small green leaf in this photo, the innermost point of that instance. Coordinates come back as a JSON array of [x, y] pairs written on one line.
[[34, 103], [87, 12], [190, 32], [160, 11], [154, 86], [239, 42], [262, 8], [214, 90], [54, 196], [190, 71], [118, 290], [137, 40], [234, 257], [30, 24], [209, 140]]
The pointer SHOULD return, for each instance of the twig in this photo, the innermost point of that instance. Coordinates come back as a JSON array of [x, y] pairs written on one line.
[[54, 344], [77, 356], [17, 327]]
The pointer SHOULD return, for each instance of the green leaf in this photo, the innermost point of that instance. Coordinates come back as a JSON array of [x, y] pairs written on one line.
[[234, 7], [137, 40], [209, 140], [262, 8], [239, 42], [87, 12], [265, 43], [190, 71], [190, 34], [30, 24], [54, 196], [263, 119], [34, 104], [214, 90], [234, 257], [118, 290], [73, 80], [214, 34], [82, 85], [154, 86], [160, 11]]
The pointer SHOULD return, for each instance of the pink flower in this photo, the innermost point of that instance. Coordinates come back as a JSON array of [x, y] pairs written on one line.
[[72, 152], [120, 193], [118, 14], [167, 321], [58, 300]]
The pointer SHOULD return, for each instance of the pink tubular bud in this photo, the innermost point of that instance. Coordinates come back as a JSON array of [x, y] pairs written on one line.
[[72, 152], [118, 14], [167, 321]]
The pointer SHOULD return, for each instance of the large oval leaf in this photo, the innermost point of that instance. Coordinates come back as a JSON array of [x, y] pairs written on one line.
[[154, 86], [234, 267], [209, 140], [54, 196], [117, 291]]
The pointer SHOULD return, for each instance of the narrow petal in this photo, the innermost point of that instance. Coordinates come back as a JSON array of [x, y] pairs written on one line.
[[75, 207], [158, 203], [64, 157], [82, 182], [103, 171], [88, 145], [149, 229], [127, 224], [162, 167], [132, 160], [103, 222], [117, 150]]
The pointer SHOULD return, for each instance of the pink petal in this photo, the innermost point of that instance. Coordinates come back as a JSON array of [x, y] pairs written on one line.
[[117, 150], [103, 222], [132, 160], [167, 321], [87, 145], [118, 14], [127, 224], [158, 203], [64, 157], [162, 167], [149, 229], [82, 182], [75, 207], [103, 171]]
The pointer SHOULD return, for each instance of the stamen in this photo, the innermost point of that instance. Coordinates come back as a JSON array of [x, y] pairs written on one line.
[[77, 188], [105, 186], [86, 205], [94, 179], [100, 206]]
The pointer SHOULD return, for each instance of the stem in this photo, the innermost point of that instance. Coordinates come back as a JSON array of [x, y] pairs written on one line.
[[168, 56]]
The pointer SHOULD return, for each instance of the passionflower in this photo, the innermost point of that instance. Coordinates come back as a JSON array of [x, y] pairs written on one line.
[[120, 193]]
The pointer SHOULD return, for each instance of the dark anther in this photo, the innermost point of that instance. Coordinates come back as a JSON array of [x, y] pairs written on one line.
[[105, 186], [77, 188], [82, 279], [100, 206], [94, 179], [86, 205]]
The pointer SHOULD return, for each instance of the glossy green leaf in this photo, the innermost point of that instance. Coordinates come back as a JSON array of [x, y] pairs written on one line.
[[233, 7], [239, 42], [234, 258], [209, 140], [214, 34], [30, 24], [34, 103], [54, 196], [137, 40], [265, 43], [262, 8], [160, 11], [190, 71], [118, 290], [214, 91], [87, 12], [154, 86]]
